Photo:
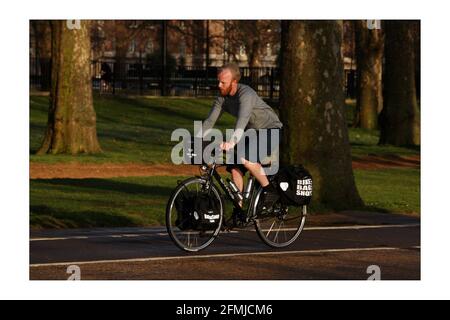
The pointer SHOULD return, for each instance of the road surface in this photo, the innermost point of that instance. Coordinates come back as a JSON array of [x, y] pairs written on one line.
[[352, 246]]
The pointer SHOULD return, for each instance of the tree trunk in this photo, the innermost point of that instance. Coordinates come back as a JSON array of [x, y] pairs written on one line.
[[71, 126], [122, 44], [369, 54], [253, 62], [400, 118], [198, 43], [312, 109]]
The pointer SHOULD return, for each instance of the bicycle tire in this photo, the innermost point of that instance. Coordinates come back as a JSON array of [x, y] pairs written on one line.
[[294, 232], [172, 229]]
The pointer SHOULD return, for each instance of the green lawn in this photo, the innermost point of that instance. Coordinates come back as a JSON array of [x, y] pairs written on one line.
[[75, 203], [138, 130], [72, 203], [365, 142], [129, 130], [390, 190]]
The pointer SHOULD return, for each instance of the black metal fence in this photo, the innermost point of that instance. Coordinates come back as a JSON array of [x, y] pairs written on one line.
[[40, 74], [148, 79], [140, 78]]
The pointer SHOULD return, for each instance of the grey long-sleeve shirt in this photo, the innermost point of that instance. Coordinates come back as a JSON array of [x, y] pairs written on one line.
[[251, 112]]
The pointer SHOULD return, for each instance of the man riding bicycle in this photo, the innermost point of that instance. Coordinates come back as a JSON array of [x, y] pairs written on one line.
[[251, 112]]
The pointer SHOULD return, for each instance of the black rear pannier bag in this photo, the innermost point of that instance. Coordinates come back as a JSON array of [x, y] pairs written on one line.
[[295, 185], [198, 212]]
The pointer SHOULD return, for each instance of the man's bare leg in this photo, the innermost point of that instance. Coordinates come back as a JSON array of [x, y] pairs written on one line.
[[238, 178], [257, 171], [269, 196]]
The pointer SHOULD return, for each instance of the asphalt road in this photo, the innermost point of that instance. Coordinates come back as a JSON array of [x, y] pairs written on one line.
[[354, 246]]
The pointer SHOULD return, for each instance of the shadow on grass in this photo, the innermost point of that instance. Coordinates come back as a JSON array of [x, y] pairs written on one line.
[[50, 218], [108, 185], [123, 203], [387, 161], [362, 144], [321, 208], [406, 146], [36, 130], [165, 111]]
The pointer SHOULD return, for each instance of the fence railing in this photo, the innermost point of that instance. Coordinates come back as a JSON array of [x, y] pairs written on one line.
[[40, 74], [148, 79], [141, 78]]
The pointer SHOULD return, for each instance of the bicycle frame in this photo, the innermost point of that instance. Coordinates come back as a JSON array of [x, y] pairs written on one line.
[[240, 218], [212, 173]]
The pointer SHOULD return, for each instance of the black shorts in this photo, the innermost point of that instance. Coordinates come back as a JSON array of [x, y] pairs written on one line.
[[273, 150]]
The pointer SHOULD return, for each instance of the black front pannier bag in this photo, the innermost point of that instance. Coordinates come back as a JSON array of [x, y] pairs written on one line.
[[198, 212], [295, 185]]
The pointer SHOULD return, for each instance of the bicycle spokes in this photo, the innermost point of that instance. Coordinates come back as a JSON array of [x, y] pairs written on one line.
[[189, 226], [281, 227]]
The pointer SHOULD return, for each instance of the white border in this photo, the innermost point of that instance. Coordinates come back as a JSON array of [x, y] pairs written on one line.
[[15, 134]]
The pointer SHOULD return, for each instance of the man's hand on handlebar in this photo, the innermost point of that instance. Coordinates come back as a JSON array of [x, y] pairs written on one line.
[[227, 146]]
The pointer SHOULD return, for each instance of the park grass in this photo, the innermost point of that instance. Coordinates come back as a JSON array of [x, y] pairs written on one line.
[[127, 202], [128, 129], [82, 203], [390, 190], [139, 129], [365, 142]]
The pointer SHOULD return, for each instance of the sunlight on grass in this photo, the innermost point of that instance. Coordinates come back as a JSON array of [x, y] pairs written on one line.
[[76, 203], [139, 130]]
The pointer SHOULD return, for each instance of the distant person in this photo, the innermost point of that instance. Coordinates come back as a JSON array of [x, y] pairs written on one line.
[[106, 75]]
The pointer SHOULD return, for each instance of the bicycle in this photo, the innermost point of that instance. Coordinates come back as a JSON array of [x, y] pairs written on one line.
[[278, 229]]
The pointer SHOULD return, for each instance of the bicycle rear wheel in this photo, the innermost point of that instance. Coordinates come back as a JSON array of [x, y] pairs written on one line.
[[186, 236], [281, 228]]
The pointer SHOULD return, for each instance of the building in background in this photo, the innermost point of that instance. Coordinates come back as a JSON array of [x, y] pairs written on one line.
[[127, 54]]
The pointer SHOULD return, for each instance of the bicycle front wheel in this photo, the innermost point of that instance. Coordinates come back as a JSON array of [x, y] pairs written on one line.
[[283, 227], [185, 234]]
